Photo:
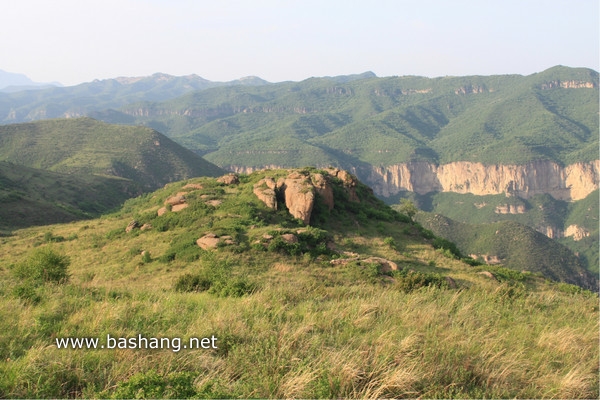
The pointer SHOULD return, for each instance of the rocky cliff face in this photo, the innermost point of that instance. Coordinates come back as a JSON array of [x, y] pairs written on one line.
[[570, 183]]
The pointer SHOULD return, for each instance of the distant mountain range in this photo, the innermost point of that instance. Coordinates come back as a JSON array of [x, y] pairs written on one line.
[[13, 82]]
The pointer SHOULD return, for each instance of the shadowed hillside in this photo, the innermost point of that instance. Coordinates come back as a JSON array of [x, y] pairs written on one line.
[[31, 196], [87, 146], [60, 170]]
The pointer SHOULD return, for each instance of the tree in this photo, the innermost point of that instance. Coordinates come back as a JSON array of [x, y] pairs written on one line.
[[408, 208]]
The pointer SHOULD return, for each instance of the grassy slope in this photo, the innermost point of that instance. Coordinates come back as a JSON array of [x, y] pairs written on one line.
[[87, 146], [306, 329]]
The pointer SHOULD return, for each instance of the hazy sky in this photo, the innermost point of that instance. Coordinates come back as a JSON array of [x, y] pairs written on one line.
[[74, 41]]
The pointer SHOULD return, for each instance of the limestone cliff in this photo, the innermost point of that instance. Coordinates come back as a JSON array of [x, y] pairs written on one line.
[[577, 232], [570, 183]]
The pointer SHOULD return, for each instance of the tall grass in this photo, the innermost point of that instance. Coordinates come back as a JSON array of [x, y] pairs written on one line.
[[306, 339]]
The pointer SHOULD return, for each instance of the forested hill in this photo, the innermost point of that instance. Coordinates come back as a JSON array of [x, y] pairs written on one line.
[[504, 119]]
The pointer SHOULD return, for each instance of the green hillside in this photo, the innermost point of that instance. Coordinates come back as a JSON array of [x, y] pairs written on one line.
[[584, 213], [86, 146], [30, 197], [541, 212], [508, 119], [516, 246], [358, 303]]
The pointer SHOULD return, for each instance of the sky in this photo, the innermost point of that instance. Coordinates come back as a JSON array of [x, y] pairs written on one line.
[[75, 41]]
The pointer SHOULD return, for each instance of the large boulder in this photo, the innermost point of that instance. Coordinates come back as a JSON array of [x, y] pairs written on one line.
[[300, 190], [324, 189], [132, 225], [299, 194], [229, 179], [179, 207], [385, 265], [208, 241], [265, 191], [348, 180], [179, 198]]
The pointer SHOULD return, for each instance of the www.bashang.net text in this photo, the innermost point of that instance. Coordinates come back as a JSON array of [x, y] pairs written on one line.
[[137, 342]]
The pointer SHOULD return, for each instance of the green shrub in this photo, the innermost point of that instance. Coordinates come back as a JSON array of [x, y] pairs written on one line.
[[390, 242], [277, 244], [236, 287], [50, 238], [176, 385], [217, 279], [146, 257], [504, 274], [192, 283], [573, 289], [43, 265], [360, 271], [27, 292], [183, 248], [409, 281], [443, 244], [471, 261]]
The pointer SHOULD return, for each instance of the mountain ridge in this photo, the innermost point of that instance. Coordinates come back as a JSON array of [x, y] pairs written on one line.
[[62, 170]]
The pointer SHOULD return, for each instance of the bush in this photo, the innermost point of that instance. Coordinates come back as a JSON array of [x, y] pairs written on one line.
[[236, 287], [390, 242], [27, 292], [471, 261], [192, 283], [50, 238], [146, 257], [44, 265], [409, 281], [176, 385], [443, 244], [217, 279], [183, 248], [504, 274]]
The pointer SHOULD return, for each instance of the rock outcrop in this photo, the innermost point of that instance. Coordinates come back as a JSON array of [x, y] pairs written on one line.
[[229, 179], [577, 232], [300, 190], [179, 207], [211, 241], [348, 180], [179, 198], [324, 189], [299, 194], [265, 191], [510, 209], [193, 186], [132, 225]]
